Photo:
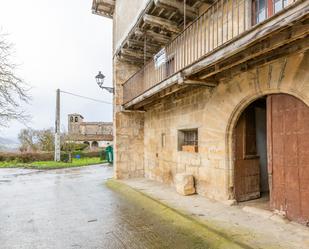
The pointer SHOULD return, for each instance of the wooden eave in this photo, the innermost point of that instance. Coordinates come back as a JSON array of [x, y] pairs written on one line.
[[103, 8], [159, 23]]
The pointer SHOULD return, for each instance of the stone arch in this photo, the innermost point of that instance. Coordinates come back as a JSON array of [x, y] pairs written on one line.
[[230, 98], [87, 143], [239, 109]]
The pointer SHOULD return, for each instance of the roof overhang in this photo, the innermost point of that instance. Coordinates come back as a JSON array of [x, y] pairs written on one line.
[[157, 25], [103, 7]]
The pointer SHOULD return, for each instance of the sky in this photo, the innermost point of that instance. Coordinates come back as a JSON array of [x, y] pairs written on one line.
[[59, 44]]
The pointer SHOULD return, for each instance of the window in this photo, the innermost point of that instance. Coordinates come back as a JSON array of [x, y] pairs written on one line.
[[76, 119], [188, 140], [163, 140], [71, 119], [260, 10], [263, 9], [279, 5]]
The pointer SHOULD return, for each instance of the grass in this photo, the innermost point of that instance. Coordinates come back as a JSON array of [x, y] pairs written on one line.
[[52, 165]]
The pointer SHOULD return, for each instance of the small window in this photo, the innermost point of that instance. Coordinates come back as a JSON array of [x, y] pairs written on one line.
[[71, 119], [76, 119], [279, 5], [188, 140], [263, 9], [163, 140]]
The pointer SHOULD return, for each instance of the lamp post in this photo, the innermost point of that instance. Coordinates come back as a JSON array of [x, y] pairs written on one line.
[[100, 80]]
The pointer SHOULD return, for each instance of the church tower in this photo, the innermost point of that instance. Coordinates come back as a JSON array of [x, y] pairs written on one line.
[[74, 121]]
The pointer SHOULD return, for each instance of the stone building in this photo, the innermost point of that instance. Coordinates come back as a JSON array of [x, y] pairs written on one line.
[[217, 89], [95, 134]]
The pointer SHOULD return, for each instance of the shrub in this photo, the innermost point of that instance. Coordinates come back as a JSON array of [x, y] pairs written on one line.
[[89, 154], [47, 156], [74, 146], [26, 157]]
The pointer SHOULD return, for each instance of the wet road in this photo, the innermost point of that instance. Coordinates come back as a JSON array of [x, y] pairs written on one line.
[[72, 208]]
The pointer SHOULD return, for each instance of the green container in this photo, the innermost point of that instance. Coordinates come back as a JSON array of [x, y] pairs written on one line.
[[109, 154]]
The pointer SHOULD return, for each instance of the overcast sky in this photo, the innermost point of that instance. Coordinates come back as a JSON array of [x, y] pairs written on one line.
[[59, 44]]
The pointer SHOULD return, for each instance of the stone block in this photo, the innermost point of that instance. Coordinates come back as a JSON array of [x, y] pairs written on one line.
[[184, 184]]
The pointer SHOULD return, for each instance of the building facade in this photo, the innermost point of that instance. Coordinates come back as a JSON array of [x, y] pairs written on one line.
[[95, 134], [216, 89]]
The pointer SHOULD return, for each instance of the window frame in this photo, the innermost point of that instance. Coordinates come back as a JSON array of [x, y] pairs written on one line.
[[183, 141], [163, 140], [270, 9]]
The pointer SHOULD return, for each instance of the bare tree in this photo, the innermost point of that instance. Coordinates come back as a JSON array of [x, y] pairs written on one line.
[[28, 140], [45, 139], [36, 140], [13, 91]]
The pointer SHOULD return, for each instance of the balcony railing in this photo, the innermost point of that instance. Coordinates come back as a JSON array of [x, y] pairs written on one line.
[[223, 21]]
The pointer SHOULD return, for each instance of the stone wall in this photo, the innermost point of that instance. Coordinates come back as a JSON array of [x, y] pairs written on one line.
[[99, 128], [128, 129], [215, 113]]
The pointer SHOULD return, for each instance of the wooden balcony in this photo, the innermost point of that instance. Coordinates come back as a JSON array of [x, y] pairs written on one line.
[[224, 36]]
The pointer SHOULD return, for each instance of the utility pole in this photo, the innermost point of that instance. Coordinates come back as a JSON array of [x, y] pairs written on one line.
[[57, 128], [184, 14]]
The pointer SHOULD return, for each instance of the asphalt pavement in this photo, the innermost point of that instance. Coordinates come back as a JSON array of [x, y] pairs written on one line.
[[73, 208]]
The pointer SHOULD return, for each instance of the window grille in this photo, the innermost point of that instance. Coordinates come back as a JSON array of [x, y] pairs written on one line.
[[188, 140]]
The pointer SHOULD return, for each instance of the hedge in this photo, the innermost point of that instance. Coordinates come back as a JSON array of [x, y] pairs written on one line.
[[46, 156], [82, 154]]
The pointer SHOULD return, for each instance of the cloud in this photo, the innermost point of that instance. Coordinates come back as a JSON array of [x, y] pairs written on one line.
[[59, 44]]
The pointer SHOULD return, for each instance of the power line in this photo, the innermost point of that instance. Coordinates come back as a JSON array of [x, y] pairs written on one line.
[[84, 97]]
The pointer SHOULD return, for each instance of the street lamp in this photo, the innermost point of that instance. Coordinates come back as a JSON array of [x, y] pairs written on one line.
[[100, 80]]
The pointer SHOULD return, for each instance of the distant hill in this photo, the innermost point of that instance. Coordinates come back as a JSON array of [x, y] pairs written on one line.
[[7, 144]]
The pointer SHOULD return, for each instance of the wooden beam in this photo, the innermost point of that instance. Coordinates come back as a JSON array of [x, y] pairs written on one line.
[[177, 6], [162, 39], [150, 92], [131, 60], [158, 96], [162, 23], [197, 82], [135, 53], [256, 51], [200, 2], [109, 2], [138, 32], [103, 8], [150, 47]]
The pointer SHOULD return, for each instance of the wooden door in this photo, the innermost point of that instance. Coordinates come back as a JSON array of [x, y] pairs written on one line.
[[288, 156], [247, 170]]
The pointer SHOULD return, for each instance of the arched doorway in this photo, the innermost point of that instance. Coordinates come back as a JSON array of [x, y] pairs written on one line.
[[94, 145], [271, 144], [87, 144], [250, 152]]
